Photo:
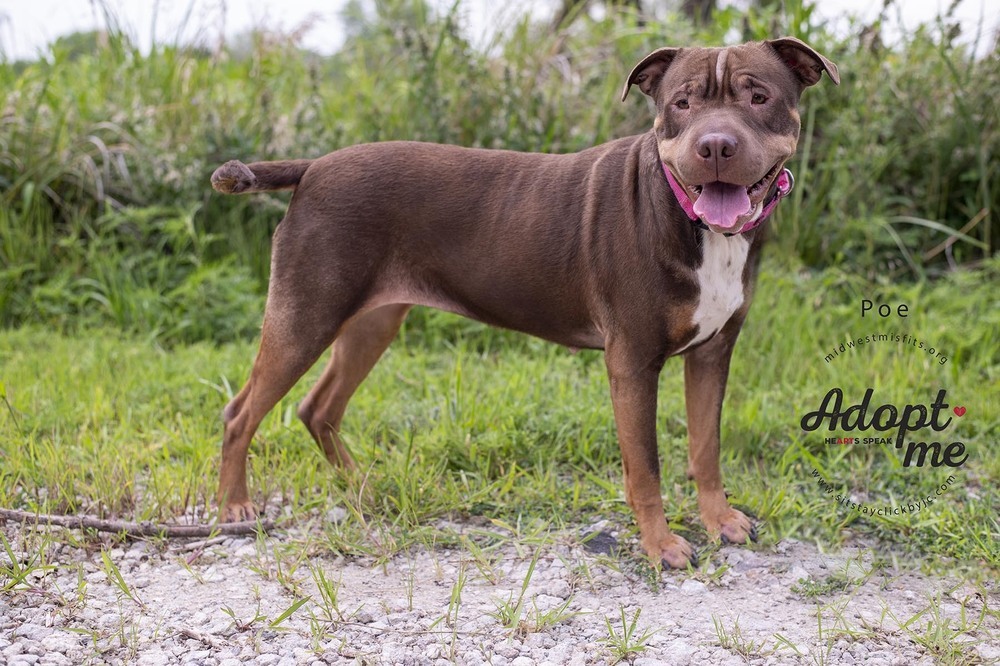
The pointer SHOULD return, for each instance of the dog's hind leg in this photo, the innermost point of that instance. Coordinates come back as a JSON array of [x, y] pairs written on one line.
[[306, 310], [355, 352], [277, 367], [281, 361]]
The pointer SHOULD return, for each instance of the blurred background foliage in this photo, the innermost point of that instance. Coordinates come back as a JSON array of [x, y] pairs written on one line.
[[106, 214]]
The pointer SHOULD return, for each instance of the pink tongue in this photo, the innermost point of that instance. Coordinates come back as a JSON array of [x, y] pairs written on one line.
[[721, 204]]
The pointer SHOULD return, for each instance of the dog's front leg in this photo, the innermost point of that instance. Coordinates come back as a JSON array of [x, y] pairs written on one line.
[[706, 369], [633, 394]]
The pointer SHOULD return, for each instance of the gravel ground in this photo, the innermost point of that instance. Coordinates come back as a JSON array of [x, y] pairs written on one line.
[[215, 605]]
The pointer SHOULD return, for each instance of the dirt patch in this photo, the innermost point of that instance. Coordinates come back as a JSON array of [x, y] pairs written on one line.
[[236, 601]]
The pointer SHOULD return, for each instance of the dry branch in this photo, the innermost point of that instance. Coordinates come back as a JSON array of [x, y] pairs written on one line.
[[133, 529]]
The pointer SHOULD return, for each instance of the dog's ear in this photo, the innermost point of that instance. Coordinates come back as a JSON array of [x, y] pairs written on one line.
[[807, 65], [648, 73]]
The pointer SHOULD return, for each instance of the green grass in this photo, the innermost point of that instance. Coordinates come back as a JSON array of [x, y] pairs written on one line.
[[458, 420]]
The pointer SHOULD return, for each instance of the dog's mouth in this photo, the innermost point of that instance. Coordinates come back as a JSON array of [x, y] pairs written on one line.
[[728, 206]]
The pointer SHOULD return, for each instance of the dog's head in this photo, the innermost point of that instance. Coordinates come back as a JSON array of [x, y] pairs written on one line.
[[727, 119]]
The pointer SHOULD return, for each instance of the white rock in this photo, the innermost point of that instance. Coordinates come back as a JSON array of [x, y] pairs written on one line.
[[60, 641], [15, 648], [56, 659], [153, 658], [678, 652], [692, 586], [24, 660], [647, 661]]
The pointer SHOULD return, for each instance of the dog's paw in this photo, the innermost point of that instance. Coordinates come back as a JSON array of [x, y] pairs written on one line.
[[731, 526], [237, 512], [673, 551]]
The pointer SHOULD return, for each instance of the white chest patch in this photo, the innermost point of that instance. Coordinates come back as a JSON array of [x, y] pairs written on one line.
[[720, 277]]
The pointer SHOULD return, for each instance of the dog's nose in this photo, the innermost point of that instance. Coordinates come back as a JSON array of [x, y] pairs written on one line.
[[716, 146]]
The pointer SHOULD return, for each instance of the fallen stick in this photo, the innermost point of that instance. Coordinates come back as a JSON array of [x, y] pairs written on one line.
[[143, 529]]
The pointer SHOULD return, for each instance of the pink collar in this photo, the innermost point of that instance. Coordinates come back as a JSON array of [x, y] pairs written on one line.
[[784, 181]]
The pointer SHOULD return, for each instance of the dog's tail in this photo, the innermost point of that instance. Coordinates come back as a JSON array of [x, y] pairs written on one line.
[[235, 177]]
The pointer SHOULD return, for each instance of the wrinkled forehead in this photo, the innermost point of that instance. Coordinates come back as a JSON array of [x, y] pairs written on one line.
[[733, 65]]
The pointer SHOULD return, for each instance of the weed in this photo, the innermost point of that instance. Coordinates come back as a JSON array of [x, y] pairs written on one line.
[[329, 596], [81, 587], [949, 641], [128, 634], [288, 612], [15, 569], [486, 563], [629, 642], [509, 612], [241, 624], [820, 656], [781, 641], [455, 598], [194, 573], [812, 588], [410, 583], [10, 408], [538, 620], [114, 575], [734, 640]]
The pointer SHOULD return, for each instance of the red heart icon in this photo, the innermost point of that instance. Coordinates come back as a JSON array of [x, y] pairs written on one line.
[[960, 411]]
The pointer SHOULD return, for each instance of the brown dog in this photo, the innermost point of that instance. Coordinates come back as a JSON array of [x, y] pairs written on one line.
[[645, 247]]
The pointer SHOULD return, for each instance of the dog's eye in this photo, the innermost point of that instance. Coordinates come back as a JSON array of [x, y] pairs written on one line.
[[758, 98], [682, 104]]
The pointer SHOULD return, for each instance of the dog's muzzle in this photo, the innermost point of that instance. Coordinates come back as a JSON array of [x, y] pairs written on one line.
[[784, 183]]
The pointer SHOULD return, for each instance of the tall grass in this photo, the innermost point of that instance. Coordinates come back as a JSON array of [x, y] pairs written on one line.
[[901, 161], [105, 151]]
